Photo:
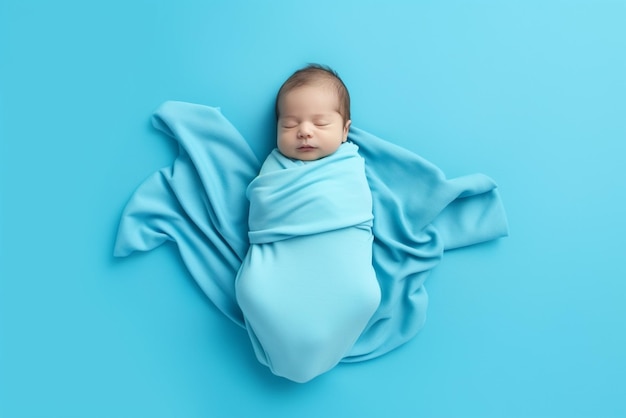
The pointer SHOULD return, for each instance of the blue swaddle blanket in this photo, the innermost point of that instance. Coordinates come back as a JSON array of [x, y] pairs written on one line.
[[307, 287], [200, 203]]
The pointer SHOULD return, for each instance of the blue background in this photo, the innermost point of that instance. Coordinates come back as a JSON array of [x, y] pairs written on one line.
[[532, 93]]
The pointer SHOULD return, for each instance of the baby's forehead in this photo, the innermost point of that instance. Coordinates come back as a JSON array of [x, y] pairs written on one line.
[[320, 111]]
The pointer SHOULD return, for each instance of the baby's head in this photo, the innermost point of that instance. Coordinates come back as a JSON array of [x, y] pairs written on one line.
[[312, 113]]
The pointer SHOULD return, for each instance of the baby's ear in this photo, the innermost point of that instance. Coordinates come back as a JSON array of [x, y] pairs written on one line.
[[346, 129]]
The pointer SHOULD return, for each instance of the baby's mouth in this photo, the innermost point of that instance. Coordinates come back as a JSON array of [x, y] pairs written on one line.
[[306, 148]]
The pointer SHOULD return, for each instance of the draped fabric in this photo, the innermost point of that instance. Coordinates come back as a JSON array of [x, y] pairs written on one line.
[[200, 203]]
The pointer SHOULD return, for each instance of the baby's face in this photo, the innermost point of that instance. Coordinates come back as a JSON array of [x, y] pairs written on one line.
[[309, 125]]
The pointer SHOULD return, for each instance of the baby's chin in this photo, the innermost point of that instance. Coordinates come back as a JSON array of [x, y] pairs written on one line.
[[310, 155]]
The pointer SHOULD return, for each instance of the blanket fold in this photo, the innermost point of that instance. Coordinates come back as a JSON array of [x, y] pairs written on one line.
[[418, 214], [199, 202], [288, 197]]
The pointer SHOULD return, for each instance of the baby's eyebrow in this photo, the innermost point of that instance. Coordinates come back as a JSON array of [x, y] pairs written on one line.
[[317, 115]]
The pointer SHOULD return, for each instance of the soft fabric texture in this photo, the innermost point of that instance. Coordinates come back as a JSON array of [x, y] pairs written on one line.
[[307, 287], [200, 203]]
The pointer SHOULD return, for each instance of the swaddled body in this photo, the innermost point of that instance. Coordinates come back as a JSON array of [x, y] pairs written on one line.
[[307, 287]]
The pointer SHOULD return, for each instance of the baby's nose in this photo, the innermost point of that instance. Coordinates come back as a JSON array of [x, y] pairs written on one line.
[[304, 131]]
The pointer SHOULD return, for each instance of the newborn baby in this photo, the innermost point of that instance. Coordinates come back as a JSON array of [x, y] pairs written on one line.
[[307, 287], [299, 276]]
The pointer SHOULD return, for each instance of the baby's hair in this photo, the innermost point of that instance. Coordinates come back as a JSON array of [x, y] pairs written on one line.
[[313, 73]]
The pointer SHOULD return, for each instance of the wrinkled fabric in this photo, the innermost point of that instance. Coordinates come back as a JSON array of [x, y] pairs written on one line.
[[307, 287], [200, 203]]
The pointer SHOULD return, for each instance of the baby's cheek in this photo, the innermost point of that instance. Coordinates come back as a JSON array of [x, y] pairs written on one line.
[[282, 145]]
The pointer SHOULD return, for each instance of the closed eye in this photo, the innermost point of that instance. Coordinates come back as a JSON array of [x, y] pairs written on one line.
[[289, 124]]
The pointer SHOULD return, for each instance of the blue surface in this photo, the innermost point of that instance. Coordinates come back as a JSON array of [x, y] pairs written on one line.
[[531, 93]]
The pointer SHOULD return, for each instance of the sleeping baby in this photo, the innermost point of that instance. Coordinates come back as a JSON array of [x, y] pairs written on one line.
[[292, 262], [307, 287]]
